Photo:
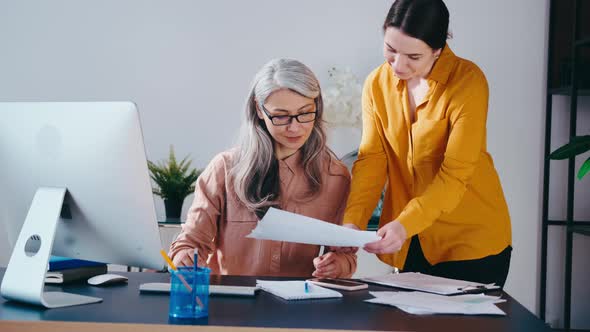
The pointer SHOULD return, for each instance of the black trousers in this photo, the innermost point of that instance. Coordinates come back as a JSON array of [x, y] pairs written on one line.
[[486, 270]]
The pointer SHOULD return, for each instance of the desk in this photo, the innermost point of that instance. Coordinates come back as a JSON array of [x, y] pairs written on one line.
[[124, 304]]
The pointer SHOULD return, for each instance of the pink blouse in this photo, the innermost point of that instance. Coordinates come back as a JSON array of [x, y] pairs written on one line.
[[217, 222]]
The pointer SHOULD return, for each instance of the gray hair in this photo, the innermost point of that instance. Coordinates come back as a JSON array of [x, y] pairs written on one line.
[[255, 171]]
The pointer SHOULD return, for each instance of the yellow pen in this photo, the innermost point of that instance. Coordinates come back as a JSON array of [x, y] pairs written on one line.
[[173, 267], [168, 260]]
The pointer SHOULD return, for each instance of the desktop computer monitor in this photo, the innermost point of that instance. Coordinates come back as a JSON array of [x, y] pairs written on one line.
[[74, 183]]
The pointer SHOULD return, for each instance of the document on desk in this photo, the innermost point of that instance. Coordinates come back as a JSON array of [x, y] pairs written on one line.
[[296, 290], [281, 225], [431, 284], [426, 304]]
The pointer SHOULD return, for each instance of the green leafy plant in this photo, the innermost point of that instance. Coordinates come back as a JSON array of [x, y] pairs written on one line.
[[175, 181], [578, 145]]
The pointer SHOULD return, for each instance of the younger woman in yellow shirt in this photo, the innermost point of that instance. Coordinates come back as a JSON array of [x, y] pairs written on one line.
[[424, 137]]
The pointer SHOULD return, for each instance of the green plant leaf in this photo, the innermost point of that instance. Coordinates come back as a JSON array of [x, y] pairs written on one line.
[[175, 180], [578, 145], [584, 169]]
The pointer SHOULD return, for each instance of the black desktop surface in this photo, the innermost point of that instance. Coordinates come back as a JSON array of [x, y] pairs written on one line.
[[124, 303]]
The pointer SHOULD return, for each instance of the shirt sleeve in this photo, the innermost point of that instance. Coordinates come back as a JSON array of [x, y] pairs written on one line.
[[369, 171], [347, 262], [200, 229], [467, 117]]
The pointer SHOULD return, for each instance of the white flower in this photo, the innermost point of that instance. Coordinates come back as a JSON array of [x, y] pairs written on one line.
[[342, 99]]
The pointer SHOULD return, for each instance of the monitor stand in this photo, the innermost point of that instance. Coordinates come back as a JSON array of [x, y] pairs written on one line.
[[24, 278]]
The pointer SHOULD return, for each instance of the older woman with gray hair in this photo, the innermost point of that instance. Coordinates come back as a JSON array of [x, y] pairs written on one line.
[[282, 162]]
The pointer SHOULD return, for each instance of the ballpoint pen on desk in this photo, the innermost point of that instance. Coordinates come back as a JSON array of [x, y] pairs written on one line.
[[475, 289], [472, 289]]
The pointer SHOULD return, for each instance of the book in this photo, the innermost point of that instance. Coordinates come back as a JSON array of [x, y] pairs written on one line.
[[74, 274], [296, 290], [61, 263]]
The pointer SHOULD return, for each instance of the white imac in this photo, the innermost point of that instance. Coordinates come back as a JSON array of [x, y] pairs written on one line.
[[74, 182]]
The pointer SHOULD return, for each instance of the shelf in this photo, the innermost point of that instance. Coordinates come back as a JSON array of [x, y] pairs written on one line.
[[566, 91], [171, 222], [567, 68], [583, 230], [564, 222]]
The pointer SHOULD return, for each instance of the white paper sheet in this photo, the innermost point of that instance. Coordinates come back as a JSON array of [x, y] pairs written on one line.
[[419, 303], [428, 283], [281, 225]]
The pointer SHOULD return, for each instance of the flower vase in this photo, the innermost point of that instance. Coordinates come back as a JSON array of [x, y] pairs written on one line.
[[173, 210]]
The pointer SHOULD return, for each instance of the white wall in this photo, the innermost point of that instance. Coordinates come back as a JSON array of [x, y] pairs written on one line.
[[507, 39], [188, 66]]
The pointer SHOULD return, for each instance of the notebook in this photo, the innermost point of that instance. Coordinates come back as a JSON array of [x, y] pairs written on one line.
[[430, 284], [57, 263], [74, 274], [296, 290]]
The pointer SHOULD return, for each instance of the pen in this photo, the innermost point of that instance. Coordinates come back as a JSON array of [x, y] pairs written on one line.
[[306, 287], [473, 289], [168, 260], [173, 267], [195, 278]]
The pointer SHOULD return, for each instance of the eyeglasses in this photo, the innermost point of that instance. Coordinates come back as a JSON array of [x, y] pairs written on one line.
[[283, 120]]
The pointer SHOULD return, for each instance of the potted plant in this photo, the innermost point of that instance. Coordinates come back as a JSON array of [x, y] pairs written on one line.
[[578, 145], [175, 181]]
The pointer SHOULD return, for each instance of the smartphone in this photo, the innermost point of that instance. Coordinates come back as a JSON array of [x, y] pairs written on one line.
[[348, 285]]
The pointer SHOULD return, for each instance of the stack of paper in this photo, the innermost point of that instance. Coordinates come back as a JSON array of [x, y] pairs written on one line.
[[424, 304], [281, 225], [296, 290], [430, 284]]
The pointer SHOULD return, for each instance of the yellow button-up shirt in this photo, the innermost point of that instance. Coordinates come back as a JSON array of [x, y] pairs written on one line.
[[440, 180]]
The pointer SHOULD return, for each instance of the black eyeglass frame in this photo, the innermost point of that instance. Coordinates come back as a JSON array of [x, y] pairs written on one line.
[[291, 117]]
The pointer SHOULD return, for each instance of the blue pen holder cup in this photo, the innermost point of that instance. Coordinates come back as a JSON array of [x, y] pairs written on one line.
[[193, 301]]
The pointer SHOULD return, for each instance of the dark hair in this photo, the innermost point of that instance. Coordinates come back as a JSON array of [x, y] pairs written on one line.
[[427, 20]]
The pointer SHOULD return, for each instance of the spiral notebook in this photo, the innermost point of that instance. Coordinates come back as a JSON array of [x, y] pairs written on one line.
[[296, 290]]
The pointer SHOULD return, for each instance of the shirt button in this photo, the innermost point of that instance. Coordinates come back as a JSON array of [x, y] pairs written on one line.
[[275, 257]]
